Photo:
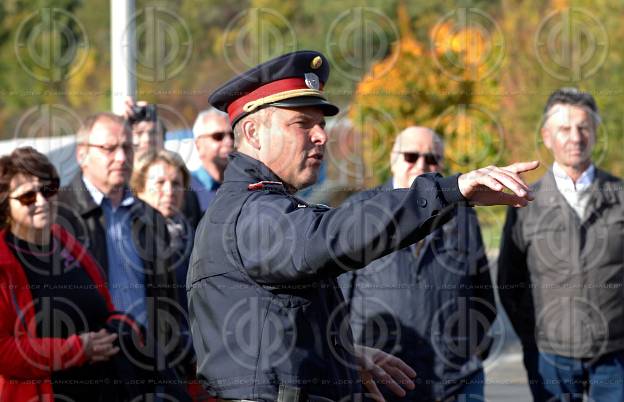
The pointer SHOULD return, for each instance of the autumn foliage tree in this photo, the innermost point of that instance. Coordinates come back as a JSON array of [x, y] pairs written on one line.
[[449, 85]]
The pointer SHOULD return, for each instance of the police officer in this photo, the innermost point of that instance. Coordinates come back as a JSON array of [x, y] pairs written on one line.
[[265, 309]]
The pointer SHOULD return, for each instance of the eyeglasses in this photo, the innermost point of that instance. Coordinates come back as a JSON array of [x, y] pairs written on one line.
[[412, 157], [47, 191], [127, 148], [220, 135]]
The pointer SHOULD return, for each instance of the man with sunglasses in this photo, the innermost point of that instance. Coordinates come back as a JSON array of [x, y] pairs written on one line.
[[128, 238], [431, 303], [214, 141]]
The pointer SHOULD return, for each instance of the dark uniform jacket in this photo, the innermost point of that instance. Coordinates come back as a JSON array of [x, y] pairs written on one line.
[[84, 219], [267, 316], [430, 304], [561, 278]]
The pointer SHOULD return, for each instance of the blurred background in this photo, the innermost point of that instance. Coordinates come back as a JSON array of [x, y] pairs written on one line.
[[478, 72]]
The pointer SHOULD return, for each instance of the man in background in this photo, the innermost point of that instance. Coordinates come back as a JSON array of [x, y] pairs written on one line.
[[431, 303], [214, 141], [561, 265], [128, 238]]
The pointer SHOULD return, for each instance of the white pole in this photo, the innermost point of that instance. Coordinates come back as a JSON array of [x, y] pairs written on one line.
[[123, 51]]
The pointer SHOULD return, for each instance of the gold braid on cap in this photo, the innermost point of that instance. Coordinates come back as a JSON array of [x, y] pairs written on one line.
[[253, 105]]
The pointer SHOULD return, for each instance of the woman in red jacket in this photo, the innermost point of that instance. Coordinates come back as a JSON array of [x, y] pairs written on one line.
[[54, 306]]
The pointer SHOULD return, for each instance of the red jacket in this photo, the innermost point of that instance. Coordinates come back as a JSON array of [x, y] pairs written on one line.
[[26, 361]]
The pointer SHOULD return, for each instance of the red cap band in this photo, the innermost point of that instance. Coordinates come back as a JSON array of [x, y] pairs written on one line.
[[287, 84]]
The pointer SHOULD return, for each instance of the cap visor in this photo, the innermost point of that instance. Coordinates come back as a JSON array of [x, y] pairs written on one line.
[[302, 101]]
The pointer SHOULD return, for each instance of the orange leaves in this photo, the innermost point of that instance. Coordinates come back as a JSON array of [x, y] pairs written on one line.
[[441, 88]]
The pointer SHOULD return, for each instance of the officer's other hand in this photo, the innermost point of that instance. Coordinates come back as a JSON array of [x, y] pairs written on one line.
[[376, 366], [99, 346], [488, 185]]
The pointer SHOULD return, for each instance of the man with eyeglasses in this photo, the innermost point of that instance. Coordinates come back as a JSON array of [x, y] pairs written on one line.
[[430, 303], [214, 141], [128, 238]]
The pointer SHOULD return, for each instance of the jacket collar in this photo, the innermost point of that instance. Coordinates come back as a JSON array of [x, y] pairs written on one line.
[[88, 198], [548, 195], [244, 168], [84, 202]]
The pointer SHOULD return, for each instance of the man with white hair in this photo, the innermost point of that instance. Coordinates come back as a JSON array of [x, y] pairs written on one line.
[[214, 141], [430, 303]]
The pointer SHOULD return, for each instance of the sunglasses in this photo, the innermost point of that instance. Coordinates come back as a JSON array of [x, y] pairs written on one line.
[[412, 157], [47, 191], [220, 135]]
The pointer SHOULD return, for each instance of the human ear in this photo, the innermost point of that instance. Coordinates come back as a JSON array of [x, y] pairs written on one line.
[[546, 137], [81, 155], [250, 132]]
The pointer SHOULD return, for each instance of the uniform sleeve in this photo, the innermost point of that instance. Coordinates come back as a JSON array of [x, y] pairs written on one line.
[[281, 241], [26, 357], [514, 285]]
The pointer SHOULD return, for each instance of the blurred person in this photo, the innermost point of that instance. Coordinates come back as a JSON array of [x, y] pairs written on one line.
[[160, 181], [561, 266], [214, 141], [127, 237], [148, 135], [55, 309], [265, 308], [434, 298]]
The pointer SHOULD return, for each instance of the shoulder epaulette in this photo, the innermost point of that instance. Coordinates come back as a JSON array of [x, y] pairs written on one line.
[[267, 185]]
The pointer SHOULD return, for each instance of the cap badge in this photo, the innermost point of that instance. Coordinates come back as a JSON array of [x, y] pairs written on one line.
[[312, 81], [316, 63]]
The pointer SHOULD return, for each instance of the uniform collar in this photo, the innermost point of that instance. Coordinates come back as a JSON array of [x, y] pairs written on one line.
[[244, 168]]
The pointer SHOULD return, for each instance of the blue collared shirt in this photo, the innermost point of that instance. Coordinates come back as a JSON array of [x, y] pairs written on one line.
[[205, 186], [126, 275]]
